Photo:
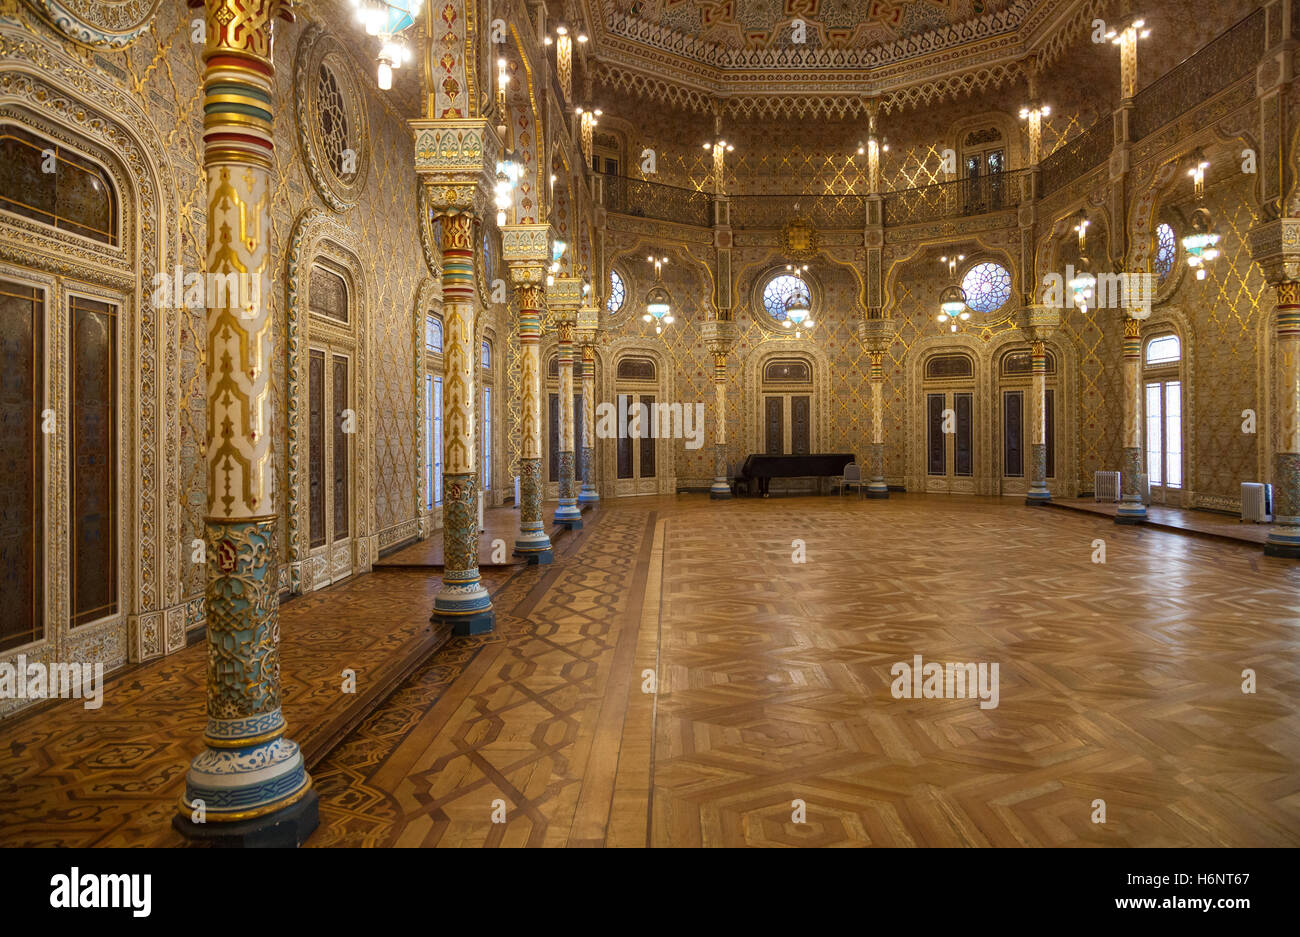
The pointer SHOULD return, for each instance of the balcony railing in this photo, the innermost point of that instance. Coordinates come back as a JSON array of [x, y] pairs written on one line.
[[773, 211], [1086, 151], [1199, 77], [646, 199], [990, 193]]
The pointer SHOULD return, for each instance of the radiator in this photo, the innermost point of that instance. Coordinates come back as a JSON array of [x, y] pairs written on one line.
[[1105, 486], [1256, 502]]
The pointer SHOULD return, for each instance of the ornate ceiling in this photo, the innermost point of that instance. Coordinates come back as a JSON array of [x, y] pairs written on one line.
[[837, 24], [755, 56]]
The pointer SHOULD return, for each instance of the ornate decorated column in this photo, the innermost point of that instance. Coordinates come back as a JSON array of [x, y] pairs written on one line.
[[1275, 246], [249, 787], [1132, 509], [719, 337], [564, 296], [457, 159], [1038, 323], [877, 334], [587, 333], [526, 248]]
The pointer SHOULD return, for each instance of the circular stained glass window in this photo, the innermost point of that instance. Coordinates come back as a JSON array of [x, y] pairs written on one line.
[[617, 293], [778, 290], [987, 286], [1166, 250]]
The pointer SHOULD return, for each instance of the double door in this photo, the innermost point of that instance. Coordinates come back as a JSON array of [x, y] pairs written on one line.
[[636, 465], [787, 424], [332, 425], [950, 432]]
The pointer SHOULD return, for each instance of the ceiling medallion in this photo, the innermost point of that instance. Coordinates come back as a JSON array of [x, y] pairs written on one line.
[[99, 24], [799, 239]]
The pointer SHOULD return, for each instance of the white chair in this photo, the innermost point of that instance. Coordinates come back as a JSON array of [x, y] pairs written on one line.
[[852, 477]]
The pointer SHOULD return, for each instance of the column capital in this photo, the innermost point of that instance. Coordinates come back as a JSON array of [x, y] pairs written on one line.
[[1275, 246], [564, 296], [719, 335], [876, 335], [457, 160], [526, 245], [1039, 321]]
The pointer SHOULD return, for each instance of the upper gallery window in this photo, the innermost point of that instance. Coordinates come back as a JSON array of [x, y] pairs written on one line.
[[1164, 349], [636, 369], [45, 182], [327, 293], [1022, 362], [485, 354], [433, 334], [778, 290], [987, 286], [787, 371], [942, 366], [617, 293], [1166, 250]]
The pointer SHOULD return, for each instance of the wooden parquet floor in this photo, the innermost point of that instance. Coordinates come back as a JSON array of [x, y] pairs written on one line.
[[112, 776], [1119, 682], [675, 678]]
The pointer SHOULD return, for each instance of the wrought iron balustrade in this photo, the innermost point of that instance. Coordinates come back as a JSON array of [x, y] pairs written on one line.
[[645, 199], [1071, 160], [1199, 77], [993, 192]]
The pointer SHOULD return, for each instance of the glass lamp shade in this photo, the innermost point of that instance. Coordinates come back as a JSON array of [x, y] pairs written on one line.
[[953, 302], [797, 307], [658, 303]]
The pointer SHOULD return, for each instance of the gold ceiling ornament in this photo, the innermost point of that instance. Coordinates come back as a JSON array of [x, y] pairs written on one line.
[[799, 239]]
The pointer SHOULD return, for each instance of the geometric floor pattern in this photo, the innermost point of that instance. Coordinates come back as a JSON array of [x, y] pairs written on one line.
[[1120, 682], [677, 677], [71, 776]]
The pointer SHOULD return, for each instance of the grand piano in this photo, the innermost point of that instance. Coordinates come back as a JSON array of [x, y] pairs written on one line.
[[762, 468]]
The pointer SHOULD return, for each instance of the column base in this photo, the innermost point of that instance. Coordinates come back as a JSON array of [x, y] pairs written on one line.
[[588, 496], [1131, 513], [877, 491], [286, 828], [534, 553], [1038, 496], [1283, 542], [461, 625], [464, 604], [567, 514], [720, 491]]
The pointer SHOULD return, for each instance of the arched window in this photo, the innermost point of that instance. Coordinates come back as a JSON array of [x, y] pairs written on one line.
[[433, 333], [987, 286], [779, 289], [787, 371], [948, 366], [489, 255], [637, 369], [1166, 250], [1163, 424], [1163, 349], [1017, 362], [617, 293], [327, 293], [50, 184]]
